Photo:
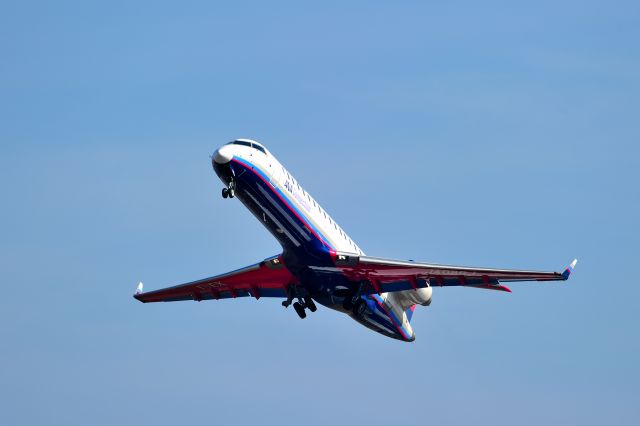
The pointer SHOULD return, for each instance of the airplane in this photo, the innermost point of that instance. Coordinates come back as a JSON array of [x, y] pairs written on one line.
[[319, 261]]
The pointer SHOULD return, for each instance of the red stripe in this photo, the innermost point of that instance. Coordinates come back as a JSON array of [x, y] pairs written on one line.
[[306, 225], [390, 316]]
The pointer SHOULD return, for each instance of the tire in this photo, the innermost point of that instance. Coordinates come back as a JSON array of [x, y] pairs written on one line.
[[310, 304], [360, 308], [232, 193], [225, 193], [299, 310]]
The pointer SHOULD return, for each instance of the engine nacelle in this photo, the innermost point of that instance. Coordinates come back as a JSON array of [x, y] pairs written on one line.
[[407, 298]]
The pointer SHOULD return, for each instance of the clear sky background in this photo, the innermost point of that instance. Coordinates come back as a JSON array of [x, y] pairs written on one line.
[[481, 133]]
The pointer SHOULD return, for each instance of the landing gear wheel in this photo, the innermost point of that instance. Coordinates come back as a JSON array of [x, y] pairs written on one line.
[[225, 193], [299, 310], [348, 303], [359, 308], [309, 303], [232, 193]]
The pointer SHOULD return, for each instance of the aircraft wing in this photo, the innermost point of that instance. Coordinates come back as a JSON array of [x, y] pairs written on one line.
[[269, 278], [388, 275]]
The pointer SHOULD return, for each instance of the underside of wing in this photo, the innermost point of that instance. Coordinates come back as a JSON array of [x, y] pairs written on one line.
[[388, 275], [269, 278]]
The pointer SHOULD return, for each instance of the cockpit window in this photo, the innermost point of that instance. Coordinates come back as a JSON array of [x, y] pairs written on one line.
[[259, 148], [243, 143], [249, 144]]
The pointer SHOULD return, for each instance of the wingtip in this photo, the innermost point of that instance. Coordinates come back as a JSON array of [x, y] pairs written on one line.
[[567, 272], [139, 289]]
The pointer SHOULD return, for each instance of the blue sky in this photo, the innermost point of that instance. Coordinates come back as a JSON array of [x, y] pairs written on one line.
[[489, 134]]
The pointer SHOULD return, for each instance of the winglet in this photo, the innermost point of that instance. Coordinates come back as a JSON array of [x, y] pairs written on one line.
[[139, 289], [567, 272]]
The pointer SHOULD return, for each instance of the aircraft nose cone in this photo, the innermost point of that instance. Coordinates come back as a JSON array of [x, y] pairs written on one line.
[[223, 155]]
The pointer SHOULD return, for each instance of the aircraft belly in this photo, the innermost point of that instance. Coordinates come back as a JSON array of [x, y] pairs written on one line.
[[375, 319], [260, 197]]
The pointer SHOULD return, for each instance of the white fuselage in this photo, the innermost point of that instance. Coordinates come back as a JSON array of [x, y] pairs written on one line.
[[316, 227], [281, 179]]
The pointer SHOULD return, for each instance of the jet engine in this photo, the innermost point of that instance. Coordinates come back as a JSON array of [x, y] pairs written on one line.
[[407, 298]]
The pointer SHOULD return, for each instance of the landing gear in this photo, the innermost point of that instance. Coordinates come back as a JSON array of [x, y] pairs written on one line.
[[360, 308], [351, 299], [347, 303], [309, 303], [303, 303], [300, 310], [229, 192]]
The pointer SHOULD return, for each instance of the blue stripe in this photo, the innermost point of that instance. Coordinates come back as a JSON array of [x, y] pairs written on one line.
[[389, 312], [288, 200]]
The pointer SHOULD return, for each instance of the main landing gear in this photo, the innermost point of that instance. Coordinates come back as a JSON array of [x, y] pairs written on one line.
[[230, 191], [360, 308], [354, 303], [303, 303]]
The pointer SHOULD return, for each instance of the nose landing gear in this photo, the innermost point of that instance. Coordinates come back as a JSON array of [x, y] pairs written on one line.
[[229, 192]]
